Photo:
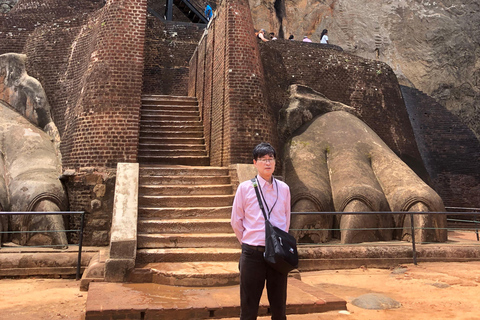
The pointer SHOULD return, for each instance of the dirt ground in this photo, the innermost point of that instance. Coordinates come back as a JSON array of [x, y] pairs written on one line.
[[427, 291]]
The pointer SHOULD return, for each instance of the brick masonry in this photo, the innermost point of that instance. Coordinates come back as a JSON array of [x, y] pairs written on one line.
[[369, 86], [89, 57], [226, 76], [169, 46], [448, 147]]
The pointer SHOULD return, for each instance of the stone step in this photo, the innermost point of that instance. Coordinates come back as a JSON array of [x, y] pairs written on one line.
[[169, 100], [187, 240], [174, 146], [178, 112], [170, 134], [184, 180], [175, 140], [181, 190], [191, 274], [147, 106], [170, 153], [170, 127], [221, 301], [185, 213], [19, 261], [170, 117], [173, 123], [187, 255], [184, 171], [184, 226], [185, 201], [185, 160]]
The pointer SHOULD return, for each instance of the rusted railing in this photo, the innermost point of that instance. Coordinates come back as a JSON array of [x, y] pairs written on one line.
[[473, 226], [80, 231]]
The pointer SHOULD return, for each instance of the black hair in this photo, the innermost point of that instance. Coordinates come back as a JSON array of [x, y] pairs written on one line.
[[291, 37], [262, 150], [324, 32]]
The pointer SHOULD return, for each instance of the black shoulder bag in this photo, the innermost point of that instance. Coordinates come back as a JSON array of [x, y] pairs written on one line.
[[280, 246]]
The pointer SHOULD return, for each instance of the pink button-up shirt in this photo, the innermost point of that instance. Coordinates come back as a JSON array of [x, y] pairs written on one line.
[[247, 219]]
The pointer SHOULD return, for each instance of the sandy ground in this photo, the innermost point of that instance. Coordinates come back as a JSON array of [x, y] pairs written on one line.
[[427, 291], [42, 299]]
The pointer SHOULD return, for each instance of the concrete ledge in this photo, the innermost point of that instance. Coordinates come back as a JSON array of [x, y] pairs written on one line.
[[123, 239]]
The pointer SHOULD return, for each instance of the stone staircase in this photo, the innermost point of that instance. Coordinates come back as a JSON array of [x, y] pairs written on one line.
[[184, 235], [171, 131]]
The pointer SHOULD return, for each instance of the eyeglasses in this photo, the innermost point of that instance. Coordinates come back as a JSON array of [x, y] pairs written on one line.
[[267, 160]]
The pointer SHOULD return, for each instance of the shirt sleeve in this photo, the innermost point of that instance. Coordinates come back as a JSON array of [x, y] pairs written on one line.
[[288, 209], [238, 214]]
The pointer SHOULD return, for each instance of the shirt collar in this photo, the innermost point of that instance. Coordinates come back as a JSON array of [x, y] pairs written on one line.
[[263, 182]]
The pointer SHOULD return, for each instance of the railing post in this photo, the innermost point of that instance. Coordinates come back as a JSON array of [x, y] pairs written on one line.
[[169, 10], [80, 243], [412, 223]]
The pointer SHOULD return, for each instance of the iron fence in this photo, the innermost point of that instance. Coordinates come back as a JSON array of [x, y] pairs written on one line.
[[80, 231], [470, 224]]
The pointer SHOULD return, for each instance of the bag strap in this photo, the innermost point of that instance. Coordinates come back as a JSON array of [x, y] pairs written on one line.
[[260, 202]]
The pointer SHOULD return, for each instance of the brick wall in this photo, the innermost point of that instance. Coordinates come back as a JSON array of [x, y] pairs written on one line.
[[369, 86], [234, 107], [89, 59], [168, 49], [103, 125], [450, 150]]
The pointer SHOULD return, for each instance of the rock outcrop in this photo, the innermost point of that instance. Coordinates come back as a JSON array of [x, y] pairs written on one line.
[[431, 46]]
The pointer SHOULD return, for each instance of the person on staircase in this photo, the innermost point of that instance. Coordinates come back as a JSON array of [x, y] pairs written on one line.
[[208, 11], [248, 223]]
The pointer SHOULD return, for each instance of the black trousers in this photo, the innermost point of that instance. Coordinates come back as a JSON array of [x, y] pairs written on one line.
[[254, 271]]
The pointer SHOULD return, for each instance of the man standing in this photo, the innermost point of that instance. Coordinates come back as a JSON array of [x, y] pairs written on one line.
[[249, 225]]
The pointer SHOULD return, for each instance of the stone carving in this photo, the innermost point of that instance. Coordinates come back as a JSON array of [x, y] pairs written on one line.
[[335, 162], [26, 95], [29, 161]]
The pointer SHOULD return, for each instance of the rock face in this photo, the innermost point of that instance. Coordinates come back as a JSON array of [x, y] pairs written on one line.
[[431, 46]]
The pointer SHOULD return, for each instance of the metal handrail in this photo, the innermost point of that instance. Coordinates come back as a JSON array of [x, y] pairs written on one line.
[[195, 6], [80, 237], [412, 223]]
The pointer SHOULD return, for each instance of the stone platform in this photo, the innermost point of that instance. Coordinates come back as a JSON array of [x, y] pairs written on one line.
[[153, 301], [19, 261]]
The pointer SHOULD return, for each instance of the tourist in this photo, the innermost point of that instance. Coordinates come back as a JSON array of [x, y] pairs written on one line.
[[306, 39], [324, 37], [261, 35], [248, 223], [208, 11], [272, 36], [291, 37]]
